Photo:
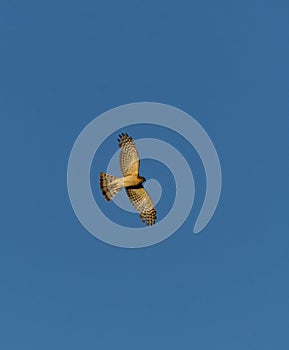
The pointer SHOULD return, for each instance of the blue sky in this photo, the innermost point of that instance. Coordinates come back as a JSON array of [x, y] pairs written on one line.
[[65, 62]]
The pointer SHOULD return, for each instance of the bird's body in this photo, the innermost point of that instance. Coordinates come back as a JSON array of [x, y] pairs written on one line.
[[129, 164], [132, 180]]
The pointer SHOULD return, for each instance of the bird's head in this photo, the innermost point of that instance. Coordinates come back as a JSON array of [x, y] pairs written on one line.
[[143, 179]]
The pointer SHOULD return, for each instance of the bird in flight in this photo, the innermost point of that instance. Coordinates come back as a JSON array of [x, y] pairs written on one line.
[[129, 165]]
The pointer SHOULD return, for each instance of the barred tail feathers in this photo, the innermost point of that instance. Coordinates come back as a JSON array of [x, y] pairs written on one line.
[[110, 185]]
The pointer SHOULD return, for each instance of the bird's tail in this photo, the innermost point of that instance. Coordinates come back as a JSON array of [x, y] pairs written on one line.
[[110, 185]]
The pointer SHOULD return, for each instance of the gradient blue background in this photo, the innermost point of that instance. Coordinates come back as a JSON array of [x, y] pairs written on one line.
[[65, 62]]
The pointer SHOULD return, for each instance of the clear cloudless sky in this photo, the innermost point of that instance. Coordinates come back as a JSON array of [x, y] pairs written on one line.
[[65, 62]]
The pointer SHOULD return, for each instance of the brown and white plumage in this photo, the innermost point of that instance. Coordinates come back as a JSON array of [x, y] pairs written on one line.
[[142, 202], [131, 181], [128, 158]]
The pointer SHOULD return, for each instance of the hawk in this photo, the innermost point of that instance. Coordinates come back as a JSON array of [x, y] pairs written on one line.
[[129, 165]]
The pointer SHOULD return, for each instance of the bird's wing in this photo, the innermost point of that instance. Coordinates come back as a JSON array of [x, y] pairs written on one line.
[[128, 158], [142, 202]]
